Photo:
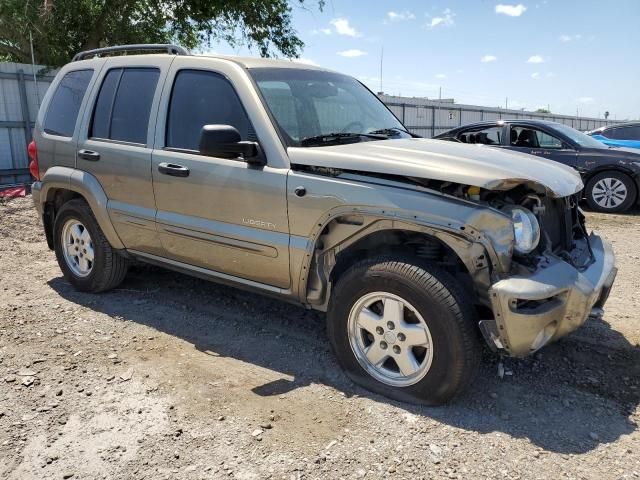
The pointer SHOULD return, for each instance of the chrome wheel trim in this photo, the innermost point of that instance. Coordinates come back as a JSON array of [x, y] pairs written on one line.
[[77, 248], [609, 192], [390, 339]]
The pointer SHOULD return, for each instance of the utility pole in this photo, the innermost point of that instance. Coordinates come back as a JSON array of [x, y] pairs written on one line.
[[506, 103], [381, 57]]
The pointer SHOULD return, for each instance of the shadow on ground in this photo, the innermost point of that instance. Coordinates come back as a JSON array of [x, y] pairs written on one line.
[[570, 398]]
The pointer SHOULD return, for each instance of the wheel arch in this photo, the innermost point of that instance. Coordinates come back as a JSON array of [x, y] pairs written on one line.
[[61, 184], [347, 238]]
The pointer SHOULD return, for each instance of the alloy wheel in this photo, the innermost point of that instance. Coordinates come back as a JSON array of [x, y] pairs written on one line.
[[609, 193], [390, 339], [77, 248]]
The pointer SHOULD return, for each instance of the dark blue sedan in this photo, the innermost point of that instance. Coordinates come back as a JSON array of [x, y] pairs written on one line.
[[611, 175]]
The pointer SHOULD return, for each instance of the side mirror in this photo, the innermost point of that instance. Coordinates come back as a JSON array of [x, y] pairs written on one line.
[[225, 141]]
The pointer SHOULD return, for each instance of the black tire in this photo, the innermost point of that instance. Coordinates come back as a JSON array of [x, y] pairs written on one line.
[[448, 315], [109, 268], [591, 189]]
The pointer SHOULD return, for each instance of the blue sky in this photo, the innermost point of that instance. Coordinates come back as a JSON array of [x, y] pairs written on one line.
[[568, 54]]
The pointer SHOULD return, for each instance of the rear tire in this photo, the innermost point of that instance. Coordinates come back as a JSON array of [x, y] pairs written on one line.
[[610, 192], [85, 256], [448, 352]]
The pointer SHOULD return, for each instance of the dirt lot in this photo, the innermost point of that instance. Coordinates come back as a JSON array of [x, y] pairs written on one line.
[[174, 377]]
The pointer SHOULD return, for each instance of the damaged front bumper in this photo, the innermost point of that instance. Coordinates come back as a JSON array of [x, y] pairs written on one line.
[[533, 310]]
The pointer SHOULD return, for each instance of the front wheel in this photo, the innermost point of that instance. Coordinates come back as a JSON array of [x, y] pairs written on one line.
[[610, 192], [403, 329]]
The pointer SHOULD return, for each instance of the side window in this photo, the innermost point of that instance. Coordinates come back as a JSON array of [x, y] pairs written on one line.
[[526, 137], [612, 133], [202, 98], [627, 133], [547, 141], [123, 105], [486, 136], [605, 133], [64, 107]]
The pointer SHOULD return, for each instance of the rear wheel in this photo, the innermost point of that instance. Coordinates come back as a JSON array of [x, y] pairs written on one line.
[[403, 329], [610, 192], [85, 256]]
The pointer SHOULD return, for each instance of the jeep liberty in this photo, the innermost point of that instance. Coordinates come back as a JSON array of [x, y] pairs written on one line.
[[298, 182]]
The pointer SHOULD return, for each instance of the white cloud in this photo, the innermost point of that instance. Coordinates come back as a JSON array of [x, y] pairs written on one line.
[[444, 20], [536, 59], [586, 100], [570, 38], [441, 76], [488, 58], [535, 75], [324, 31], [511, 10], [354, 52], [400, 16], [343, 28], [550, 75]]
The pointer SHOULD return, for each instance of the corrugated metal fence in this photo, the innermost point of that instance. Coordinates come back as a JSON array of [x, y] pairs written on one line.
[[428, 117], [21, 94], [19, 103]]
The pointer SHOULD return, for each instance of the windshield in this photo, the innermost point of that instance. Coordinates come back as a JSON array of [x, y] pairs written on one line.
[[310, 104], [580, 138]]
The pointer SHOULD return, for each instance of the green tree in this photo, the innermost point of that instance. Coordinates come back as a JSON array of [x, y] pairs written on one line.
[[61, 28], [543, 110]]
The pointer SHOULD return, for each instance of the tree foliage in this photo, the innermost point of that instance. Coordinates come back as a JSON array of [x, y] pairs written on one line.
[[61, 28]]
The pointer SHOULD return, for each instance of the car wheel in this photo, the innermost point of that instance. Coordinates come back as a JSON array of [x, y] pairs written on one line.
[[85, 256], [610, 192], [402, 329]]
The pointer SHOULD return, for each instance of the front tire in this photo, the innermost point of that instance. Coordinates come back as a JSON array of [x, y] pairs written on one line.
[[85, 256], [610, 192], [402, 329]]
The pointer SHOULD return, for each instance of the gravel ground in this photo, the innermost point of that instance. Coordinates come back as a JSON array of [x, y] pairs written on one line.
[[174, 377]]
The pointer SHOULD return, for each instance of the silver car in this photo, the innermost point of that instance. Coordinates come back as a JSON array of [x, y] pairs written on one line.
[[297, 182]]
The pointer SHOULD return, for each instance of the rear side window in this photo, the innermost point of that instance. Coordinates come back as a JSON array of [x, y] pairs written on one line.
[[624, 133], [65, 104], [124, 104], [202, 98]]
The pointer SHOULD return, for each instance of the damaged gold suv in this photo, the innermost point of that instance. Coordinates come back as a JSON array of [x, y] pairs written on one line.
[[295, 181]]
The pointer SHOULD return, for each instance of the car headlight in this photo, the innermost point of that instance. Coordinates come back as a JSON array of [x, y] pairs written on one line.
[[526, 229]]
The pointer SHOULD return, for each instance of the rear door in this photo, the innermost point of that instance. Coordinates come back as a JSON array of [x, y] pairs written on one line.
[[542, 143], [116, 142], [220, 214]]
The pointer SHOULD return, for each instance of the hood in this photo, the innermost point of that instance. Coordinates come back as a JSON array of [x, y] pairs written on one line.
[[478, 165]]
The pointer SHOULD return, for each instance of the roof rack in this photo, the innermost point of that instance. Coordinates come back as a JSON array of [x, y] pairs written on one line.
[[168, 48]]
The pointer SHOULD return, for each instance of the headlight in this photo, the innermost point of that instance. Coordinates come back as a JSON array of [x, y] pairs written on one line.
[[526, 229]]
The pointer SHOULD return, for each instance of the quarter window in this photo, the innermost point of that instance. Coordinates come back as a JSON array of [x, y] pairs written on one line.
[[124, 104], [202, 98], [65, 104]]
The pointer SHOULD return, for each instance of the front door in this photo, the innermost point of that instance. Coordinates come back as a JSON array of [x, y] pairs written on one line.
[[535, 141], [216, 213]]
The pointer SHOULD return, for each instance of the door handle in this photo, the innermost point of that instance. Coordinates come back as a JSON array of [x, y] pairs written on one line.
[[173, 169], [89, 155]]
